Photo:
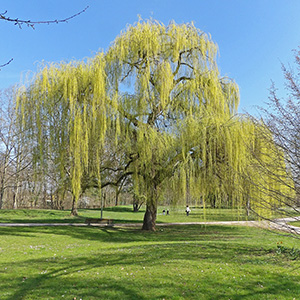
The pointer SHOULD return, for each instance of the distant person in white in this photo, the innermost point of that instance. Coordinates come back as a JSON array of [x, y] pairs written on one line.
[[187, 210]]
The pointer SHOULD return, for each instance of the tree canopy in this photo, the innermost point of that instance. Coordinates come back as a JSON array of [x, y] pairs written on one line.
[[157, 101]]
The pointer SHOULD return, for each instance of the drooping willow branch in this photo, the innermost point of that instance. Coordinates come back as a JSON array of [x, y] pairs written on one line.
[[31, 24]]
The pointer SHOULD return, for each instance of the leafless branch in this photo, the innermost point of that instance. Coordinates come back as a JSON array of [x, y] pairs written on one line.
[[31, 24], [1, 66]]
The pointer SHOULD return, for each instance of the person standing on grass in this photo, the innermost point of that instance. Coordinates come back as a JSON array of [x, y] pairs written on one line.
[[187, 210]]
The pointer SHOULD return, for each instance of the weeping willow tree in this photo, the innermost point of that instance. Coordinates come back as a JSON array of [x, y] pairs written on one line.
[[64, 113], [158, 95], [176, 111]]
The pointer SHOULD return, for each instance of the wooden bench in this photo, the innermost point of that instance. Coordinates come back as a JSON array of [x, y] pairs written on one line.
[[90, 221]]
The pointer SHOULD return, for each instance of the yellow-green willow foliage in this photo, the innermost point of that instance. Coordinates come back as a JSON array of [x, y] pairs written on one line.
[[157, 91], [267, 181], [63, 111], [180, 111]]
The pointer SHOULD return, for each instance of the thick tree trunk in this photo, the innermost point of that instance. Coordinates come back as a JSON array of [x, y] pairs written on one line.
[[74, 211], [150, 217]]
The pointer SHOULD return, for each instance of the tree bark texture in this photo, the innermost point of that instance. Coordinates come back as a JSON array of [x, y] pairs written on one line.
[[150, 217], [74, 211]]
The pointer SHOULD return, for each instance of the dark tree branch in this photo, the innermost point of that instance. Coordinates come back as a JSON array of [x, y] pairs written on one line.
[[181, 79], [1, 66], [116, 183], [31, 24]]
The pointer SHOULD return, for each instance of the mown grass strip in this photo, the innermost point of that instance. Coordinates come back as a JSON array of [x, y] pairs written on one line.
[[175, 262]]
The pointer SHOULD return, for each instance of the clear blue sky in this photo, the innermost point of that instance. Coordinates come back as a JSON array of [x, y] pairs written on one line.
[[254, 36]]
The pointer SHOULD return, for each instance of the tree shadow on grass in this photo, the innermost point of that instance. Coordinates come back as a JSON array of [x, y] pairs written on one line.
[[125, 234], [38, 216], [45, 287], [105, 274], [53, 286], [193, 238], [71, 220], [121, 209]]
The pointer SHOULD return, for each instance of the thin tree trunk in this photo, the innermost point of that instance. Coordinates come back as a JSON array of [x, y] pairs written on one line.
[[17, 188], [117, 196], [248, 206], [135, 204], [1, 195], [135, 207], [44, 198], [2, 184], [16, 195], [74, 211]]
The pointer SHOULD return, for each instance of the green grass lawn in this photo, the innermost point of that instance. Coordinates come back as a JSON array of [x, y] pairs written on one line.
[[297, 223], [175, 262], [120, 214]]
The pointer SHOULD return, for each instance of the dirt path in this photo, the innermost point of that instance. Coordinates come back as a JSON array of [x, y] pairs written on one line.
[[283, 225]]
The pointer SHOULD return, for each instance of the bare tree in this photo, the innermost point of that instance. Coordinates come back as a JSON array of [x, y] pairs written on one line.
[[14, 158], [282, 118]]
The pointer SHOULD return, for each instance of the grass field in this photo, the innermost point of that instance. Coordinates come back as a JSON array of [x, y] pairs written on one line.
[[120, 214], [295, 223], [175, 262]]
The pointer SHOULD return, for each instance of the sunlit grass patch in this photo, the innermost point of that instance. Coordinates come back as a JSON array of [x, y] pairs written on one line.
[[176, 262]]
